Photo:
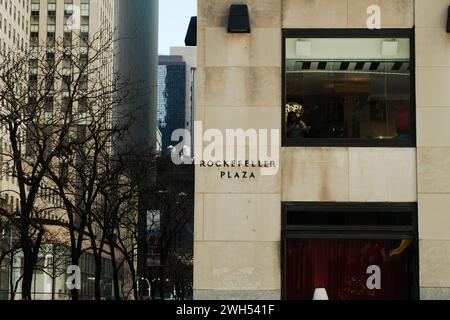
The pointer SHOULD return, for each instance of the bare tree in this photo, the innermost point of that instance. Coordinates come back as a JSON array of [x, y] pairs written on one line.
[[84, 166], [175, 236], [24, 99], [6, 246], [54, 255], [56, 101], [132, 215], [60, 114], [9, 245]]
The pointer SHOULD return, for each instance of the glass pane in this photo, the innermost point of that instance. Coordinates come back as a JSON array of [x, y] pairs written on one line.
[[338, 88], [341, 268]]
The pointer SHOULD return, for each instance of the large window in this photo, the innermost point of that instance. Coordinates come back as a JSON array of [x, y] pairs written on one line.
[[350, 251], [347, 87]]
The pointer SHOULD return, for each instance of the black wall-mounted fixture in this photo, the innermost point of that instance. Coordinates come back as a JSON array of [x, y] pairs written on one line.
[[239, 19], [191, 36], [448, 20]]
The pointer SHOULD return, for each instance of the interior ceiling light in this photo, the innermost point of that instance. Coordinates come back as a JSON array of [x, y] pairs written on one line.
[[303, 48], [389, 48]]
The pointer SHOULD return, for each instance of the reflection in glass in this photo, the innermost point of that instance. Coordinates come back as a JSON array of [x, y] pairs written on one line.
[[340, 267], [348, 89]]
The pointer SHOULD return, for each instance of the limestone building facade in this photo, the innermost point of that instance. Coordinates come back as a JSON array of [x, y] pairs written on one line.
[[358, 91]]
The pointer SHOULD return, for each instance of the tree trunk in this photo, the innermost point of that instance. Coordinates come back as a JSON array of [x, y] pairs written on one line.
[[53, 280], [161, 282], [27, 280], [75, 259], [162, 273], [142, 247], [74, 294], [154, 289], [133, 279], [116, 287], [30, 257], [98, 277], [29, 264], [11, 274], [53, 273]]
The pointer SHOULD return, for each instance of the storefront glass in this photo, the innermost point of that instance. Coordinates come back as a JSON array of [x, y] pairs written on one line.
[[341, 268], [348, 89], [350, 251]]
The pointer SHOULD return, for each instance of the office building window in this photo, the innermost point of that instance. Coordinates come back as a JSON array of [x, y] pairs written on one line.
[[349, 87]]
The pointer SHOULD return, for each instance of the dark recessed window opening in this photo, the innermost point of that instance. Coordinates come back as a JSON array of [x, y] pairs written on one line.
[[345, 89], [354, 218]]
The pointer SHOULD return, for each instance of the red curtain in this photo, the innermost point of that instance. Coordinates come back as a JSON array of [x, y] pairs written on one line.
[[340, 266]]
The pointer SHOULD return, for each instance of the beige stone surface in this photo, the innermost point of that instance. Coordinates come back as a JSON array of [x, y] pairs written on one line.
[[261, 47], [253, 295], [199, 113], [201, 48], [433, 129], [198, 217], [238, 86], [434, 216], [433, 170], [382, 174], [314, 14], [394, 13], [434, 262], [315, 174], [432, 86], [431, 13], [434, 293], [433, 115], [432, 47], [223, 118], [237, 265], [208, 180], [242, 217], [263, 13]]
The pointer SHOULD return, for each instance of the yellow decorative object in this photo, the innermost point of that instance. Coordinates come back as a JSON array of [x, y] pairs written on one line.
[[295, 107], [403, 246]]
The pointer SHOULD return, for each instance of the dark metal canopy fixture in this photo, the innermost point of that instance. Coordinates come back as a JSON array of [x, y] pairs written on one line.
[[239, 19], [191, 36]]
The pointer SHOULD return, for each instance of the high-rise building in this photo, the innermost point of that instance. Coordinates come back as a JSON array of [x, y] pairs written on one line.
[[176, 98], [137, 59], [171, 97], [60, 19], [38, 25], [189, 55], [14, 34], [14, 23], [54, 18]]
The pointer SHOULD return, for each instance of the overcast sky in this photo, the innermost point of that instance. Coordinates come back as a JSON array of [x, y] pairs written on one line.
[[174, 17]]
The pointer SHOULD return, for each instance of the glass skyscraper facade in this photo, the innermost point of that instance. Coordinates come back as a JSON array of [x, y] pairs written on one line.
[[171, 97]]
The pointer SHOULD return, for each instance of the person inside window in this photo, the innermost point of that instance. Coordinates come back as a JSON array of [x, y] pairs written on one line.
[[295, 127], [403, 120]]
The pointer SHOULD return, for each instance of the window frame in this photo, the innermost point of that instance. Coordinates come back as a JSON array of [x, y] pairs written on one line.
[[342, 232], [350, 33]]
